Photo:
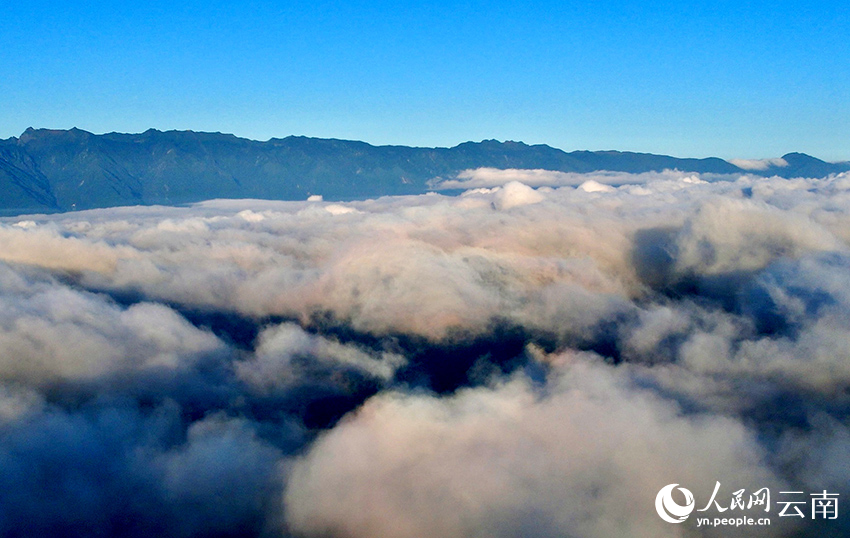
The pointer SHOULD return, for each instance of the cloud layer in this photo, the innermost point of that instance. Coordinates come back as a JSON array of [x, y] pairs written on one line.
[[475, 178], [509, 361], [584, 457]]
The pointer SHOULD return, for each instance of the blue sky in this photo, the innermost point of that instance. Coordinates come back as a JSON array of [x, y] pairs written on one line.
[[680, 78]]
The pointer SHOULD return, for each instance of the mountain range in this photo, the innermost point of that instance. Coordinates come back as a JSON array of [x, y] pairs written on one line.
[[47, 170]]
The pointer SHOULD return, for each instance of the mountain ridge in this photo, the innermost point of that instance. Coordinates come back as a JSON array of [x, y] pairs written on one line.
[[50, 170]]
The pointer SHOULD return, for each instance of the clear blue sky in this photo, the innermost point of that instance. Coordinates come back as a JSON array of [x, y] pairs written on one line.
[[729, 78]]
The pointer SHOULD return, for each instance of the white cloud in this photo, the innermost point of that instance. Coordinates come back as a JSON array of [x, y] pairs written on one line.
[[719, 311], [759, 164], [594, 186], [495, 177], [287, 355], [49, 333], [584, 456], [515, 194]]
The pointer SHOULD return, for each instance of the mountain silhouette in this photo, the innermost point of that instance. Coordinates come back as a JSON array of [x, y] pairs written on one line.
[[47, 170]]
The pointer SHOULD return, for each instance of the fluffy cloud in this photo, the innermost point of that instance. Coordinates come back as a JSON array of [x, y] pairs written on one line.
[[527, 357], [287, 355], [50, 332], [584, 455]]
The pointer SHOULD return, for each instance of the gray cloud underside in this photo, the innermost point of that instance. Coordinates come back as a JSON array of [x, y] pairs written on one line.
[[675, 330]]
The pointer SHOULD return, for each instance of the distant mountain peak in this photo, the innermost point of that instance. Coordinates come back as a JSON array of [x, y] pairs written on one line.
[[801, 157]]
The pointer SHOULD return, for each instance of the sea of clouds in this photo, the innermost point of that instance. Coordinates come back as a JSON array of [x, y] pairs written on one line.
[[535, 357]]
